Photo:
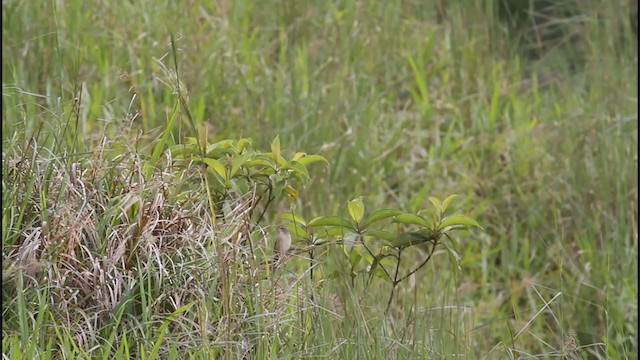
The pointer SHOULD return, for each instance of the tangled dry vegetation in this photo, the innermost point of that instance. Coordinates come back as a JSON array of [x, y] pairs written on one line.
[[105, 243]]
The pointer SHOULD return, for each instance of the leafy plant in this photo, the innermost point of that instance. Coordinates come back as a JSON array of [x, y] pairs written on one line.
[[234, 169], [370, 238]]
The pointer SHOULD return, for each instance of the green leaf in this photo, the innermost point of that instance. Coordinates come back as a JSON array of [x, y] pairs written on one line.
[[190, 140], [356, 209], [458, 219], [261, 161], [299, 232], [298, 155], [306, 160], [275, 149], [293, 218], [335, 231], [237, 162], [381, 234], [412, 238], [434, 200], [447, 201], [411, 219], [381, 215], [299, 168], [183, 149], [242, 144], [217, 166], [331, 221], [281, 162], [215, 150]]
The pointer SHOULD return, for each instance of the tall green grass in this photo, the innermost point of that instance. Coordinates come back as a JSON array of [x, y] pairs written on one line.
[[404, 99]]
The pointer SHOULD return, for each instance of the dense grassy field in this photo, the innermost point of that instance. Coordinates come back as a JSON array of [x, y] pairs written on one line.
[[112, 249]]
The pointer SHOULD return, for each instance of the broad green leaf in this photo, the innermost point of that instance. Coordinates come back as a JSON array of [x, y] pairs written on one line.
[[434, 200], [310, 159], [218, 149], [335, 231], [411, 219], [331, 221], [298, 231], [412, 238], [356, 209], [242, 144], [299, 168], [237, 162], [189, 140], [224, 144], [260, 162], [458, 219], [447, 201], [429, 214], [381, 234], [281, 162], [275, 149], [218, 184], [381, 215], [298, 155], [217, 166], [294, 218], [183, 149]]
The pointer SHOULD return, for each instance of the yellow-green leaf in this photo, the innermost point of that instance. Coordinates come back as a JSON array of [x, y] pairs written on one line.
[[294, 218], [183, 149], [298, 155], [459, 219], [299, 168], [217, 166], [381, 234], [237, 162], [356, 209], [411, 219], [310, 159], [434, 200], [331, 221], [242, 144], [381, 215], [275, 149], [447, 201]]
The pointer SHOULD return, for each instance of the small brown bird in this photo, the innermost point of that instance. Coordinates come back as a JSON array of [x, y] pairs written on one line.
[[283, 242]]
